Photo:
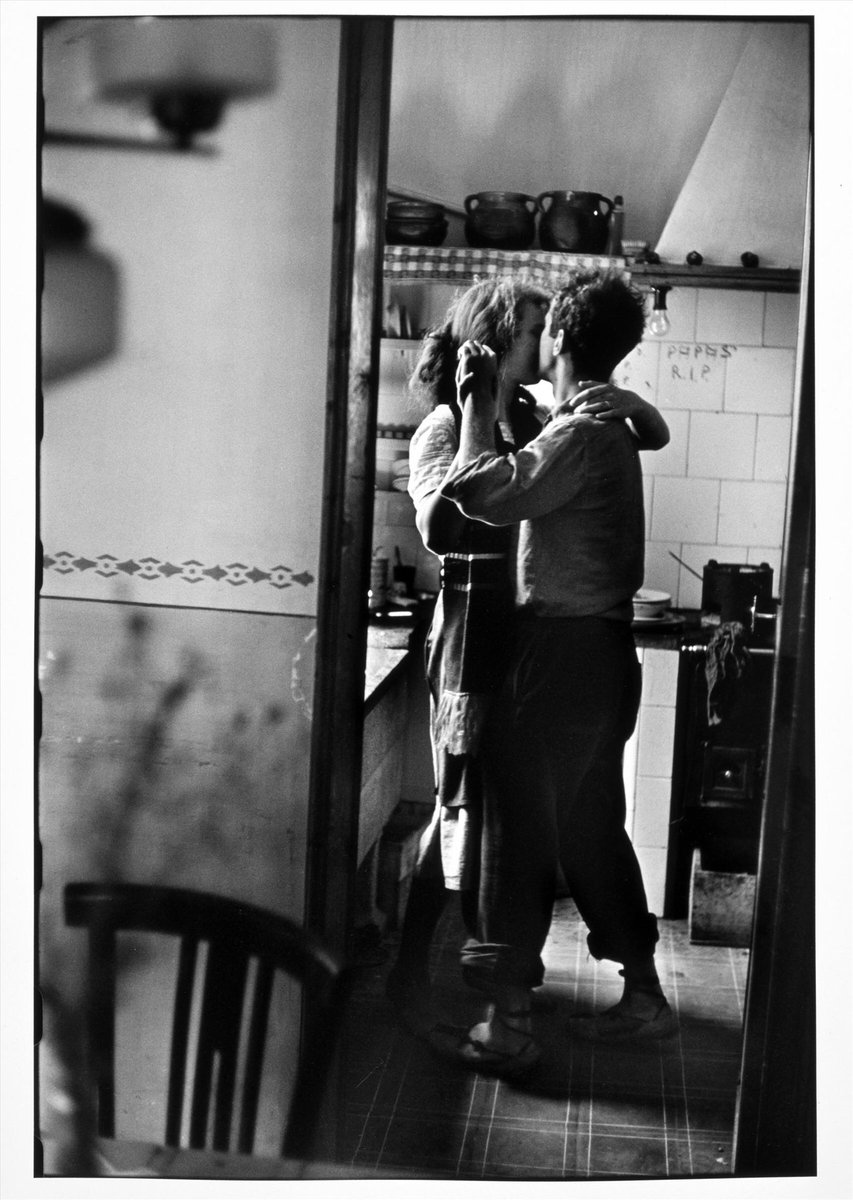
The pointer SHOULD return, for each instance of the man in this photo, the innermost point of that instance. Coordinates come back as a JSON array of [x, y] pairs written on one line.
[[573, 688]]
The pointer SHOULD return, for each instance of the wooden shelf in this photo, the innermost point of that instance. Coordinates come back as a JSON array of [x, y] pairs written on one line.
[[758, 279], [462, 264]]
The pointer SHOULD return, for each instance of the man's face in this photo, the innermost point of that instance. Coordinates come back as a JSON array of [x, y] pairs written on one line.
[[546, 348], [521, 361]]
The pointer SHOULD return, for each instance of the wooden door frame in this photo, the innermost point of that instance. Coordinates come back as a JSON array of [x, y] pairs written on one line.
[[776, 1125], [348, 476]]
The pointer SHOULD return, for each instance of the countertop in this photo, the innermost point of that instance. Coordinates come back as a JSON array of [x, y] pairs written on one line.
[[389, 643]]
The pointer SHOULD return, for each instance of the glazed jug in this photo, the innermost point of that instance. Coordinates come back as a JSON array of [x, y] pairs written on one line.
[[500, 220], [574, 221]]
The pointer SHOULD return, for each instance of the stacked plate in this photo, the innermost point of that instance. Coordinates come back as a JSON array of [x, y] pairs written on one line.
[[651, 606]]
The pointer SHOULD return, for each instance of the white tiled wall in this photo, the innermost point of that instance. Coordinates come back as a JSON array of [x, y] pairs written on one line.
[[723, 376], [394, 528]]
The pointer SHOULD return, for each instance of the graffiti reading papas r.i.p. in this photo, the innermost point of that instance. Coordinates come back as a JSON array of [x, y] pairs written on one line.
[[693, 362]]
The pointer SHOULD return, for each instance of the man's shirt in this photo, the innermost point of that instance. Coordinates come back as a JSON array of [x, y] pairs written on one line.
[[577, 492]]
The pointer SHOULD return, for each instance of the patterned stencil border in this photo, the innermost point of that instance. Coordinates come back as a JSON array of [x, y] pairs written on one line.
[[192, 571]]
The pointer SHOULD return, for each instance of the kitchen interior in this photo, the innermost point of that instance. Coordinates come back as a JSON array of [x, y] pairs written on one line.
[[187, 481]]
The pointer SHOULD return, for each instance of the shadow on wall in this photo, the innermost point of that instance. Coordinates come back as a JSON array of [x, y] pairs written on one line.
[[167, 789]]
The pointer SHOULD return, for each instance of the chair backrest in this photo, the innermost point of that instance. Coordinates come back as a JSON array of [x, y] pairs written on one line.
[[235, 934]]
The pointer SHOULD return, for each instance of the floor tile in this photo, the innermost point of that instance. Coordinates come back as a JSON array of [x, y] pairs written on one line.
[[650, 1110]]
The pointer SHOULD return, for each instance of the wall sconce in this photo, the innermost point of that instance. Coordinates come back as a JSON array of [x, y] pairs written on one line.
[[659, 320], [183, 69], [79, 295]]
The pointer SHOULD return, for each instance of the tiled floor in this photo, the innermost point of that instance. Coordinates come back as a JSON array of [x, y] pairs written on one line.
[[655, 1110]]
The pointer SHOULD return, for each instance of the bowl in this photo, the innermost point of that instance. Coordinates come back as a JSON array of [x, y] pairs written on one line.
[[649, 604]]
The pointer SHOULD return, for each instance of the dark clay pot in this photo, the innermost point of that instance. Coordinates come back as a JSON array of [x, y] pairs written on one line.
[[577, 222], [500, 220], [415, 223]]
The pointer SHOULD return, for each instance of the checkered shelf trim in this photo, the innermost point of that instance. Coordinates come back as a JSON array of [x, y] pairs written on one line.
[[461, 264]]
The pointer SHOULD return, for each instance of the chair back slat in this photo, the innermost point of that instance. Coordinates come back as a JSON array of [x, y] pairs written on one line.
[[255, 1057], [234, 934], [100, 1009], [180, 1039]]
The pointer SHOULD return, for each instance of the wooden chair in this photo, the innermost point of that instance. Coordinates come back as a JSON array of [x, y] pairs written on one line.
[[235, 933]]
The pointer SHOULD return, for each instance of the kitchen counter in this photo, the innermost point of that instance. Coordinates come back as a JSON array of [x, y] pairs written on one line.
[[390, 642]]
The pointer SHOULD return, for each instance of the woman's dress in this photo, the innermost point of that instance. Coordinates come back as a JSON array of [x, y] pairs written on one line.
[[467, 648]]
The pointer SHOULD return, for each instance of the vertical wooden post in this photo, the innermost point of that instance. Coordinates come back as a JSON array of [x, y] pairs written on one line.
[[776, 1125], [353, 367], [348, 479]]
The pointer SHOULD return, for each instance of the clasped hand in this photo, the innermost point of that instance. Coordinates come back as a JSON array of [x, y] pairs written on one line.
[[476, 375], [603, 400]]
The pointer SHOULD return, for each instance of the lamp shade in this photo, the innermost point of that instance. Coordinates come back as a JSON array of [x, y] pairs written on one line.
[[143, 58], [80, 297]]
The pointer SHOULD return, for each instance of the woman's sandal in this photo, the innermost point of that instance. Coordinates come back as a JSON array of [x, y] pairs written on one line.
[[457, 1044]]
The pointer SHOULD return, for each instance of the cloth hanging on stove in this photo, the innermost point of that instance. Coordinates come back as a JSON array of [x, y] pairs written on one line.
[[726, 660]]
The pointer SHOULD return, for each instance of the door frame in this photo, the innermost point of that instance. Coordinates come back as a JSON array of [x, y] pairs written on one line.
[[364, 88]]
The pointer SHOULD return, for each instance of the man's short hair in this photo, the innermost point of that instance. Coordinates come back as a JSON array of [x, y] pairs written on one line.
[[602, 318]]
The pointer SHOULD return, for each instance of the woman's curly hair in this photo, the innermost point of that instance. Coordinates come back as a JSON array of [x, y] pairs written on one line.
[[488, 312], [602, 318]]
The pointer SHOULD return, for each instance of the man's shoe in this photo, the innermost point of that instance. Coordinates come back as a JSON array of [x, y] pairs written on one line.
[[617, 1024]]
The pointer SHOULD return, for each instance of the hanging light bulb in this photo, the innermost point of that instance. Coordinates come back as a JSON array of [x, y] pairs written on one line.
[[659, 320]]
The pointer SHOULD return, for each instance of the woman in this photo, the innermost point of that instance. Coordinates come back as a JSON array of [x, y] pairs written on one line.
[[467, 642]]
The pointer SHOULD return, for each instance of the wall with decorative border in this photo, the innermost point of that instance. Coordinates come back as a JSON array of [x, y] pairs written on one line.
[[186, 469]]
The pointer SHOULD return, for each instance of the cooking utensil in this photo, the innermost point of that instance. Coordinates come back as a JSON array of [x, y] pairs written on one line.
[[684, 564]]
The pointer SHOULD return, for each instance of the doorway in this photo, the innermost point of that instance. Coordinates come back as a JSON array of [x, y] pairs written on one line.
[[754, 1143]]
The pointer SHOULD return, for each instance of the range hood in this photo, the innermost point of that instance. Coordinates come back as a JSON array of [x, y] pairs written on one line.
[[746, 190]]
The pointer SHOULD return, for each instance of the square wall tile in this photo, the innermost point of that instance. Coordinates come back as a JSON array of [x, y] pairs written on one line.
[[732, 317], [651, 811], [653, 866], [685, 510], [639, 371], [656, 731], [781, 319], [661, 568], [752, 513], [681, 306], [672, 459], [691, 376], [760, 381], [773, 448], [696, 556], [660, 677], [722, 445]]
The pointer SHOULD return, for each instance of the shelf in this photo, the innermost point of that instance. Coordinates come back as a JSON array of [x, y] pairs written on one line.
[[462, 264], [743, 279]]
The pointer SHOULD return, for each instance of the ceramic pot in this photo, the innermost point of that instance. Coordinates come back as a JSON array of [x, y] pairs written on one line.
[[500, 220], [415, 223], [577, 222]]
